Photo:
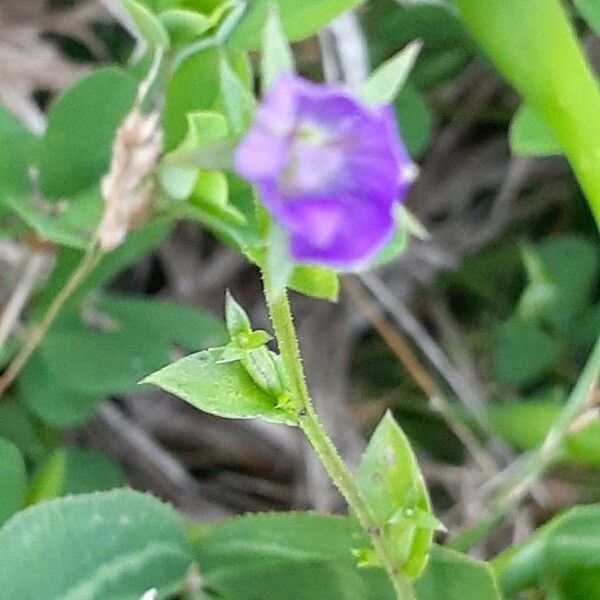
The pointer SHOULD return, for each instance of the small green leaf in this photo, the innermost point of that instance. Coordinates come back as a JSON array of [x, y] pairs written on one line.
[[248, 347], [227, 354], [572, 264], [234, 222], [77, 147], [13, 476], [410, 223], [277, 55], [148, 24], [530, 136], [193, 88], [389, 479], [238, 100], [204, 130], [236, 318], [318, 282], [450, 575], [540, 291], [523, 351], [225, 390], [97, 546], [406, 224], [414, 118], [386, 82], [212, 192], [184, 26], [266, 371], [300, 19], [256, 339]]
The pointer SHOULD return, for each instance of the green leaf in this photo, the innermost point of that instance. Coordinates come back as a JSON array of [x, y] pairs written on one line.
[[564, 550], [236, 318], [389, 479], [193, 87], [526, 424], [237, 97], [204, 130], [14, 479], [405, 225], [230, 219], [101, 363], [71, 223], [450, 575], [300, 19], [414, 118], [133, 338], [77, 147], [386, 82], [393, 249], [138, 244], [590, 11], [530, 136], [184, 26], [410, 223], [19, 150], [283, 556], [545, 74], [149, 25], [55, 404], [113, 545], [523, 351], [225, 390], [177, 324], [18, 427], [317, 282], [277, 55], [249, 348], [540, 290], [572, 265], [74, 471]]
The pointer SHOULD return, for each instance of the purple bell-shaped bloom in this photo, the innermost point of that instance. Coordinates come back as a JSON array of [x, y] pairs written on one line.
[[328, 169]]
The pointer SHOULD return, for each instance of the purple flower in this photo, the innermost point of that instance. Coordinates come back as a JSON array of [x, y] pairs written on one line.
[[328, 169]]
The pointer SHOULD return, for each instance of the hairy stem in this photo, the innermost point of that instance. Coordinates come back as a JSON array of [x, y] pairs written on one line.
[[281, 317], [37, 332]]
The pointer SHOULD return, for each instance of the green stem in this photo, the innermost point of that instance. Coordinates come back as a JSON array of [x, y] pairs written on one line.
[[281, 317], [37, 333], [553, 446], [539, 461]]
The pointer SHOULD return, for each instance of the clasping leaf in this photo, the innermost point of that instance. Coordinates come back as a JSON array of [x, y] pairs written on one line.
[[390, 481]]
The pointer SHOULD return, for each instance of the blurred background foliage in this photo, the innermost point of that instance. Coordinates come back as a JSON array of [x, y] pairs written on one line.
[[497, 310]]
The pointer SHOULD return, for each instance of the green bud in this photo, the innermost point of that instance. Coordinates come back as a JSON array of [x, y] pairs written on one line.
[[261, 366]]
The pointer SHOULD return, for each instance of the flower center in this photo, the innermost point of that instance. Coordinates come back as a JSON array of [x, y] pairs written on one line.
[[315, 160]]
